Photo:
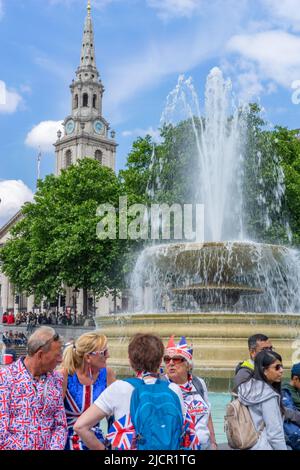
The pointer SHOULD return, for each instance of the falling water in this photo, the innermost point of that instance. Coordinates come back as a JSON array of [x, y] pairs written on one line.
[[220, 139], [240, 275]]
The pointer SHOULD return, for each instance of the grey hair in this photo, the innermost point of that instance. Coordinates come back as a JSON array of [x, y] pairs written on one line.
[[40, 339]]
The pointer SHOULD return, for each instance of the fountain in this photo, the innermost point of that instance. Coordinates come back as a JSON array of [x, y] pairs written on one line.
[[220, 290]]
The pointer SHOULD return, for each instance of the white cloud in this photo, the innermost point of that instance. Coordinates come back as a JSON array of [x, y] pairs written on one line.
[[274, 53], [43, 135], [248, 82], [1, 9], [13, 194], [285, 10], [174, 8], [154, 133], [9, 99]]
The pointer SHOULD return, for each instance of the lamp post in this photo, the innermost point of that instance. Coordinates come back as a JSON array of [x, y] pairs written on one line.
[[75, 292]]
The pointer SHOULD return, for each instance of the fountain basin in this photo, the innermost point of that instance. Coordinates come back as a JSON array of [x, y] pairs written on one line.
[[248, 276], [213, 294]]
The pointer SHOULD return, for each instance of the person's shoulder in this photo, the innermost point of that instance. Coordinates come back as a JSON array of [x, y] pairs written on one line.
[[117, 388], [244, 369], [58, 377], [119, 384], [174, 387], [200, 379]]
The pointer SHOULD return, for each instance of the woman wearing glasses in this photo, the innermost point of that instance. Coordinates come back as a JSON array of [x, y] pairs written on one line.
[[178, 361], [262, 395], [85, 378]]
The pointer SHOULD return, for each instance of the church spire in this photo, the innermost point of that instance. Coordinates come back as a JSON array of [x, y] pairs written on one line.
[[87, 59], [85, 129]]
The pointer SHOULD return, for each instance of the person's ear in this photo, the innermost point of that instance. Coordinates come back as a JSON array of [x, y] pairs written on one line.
[[39, 354], [252, 353], [87, 358]]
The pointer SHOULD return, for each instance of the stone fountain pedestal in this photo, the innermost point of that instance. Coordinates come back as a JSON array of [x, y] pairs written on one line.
[[219, 339]]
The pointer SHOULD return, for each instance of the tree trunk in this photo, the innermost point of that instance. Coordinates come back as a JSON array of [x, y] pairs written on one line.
[[85, 302], [115, 303]]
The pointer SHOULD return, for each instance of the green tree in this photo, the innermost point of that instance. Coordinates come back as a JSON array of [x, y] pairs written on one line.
[[266, 208], [287, 145], [55, 243], [137, 173]]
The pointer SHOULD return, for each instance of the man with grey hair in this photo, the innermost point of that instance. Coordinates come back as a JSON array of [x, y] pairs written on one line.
[[32, 414]]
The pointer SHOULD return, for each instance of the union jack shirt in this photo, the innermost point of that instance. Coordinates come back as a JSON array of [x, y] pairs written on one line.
[[32, 414]]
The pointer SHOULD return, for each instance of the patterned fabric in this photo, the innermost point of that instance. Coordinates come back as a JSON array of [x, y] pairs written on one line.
[[187, 387], [32, 414], [180, 349], [190, 439], [78, 399], [121, 434], [197, 415]]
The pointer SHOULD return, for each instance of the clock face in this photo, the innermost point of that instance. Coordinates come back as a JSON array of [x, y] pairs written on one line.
[[70, 126], [98, 127]]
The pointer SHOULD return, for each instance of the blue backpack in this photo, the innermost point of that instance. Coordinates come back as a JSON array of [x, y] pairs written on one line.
[[156, 415]]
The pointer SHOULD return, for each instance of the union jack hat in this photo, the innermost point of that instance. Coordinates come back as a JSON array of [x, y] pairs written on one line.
[[179, 349]]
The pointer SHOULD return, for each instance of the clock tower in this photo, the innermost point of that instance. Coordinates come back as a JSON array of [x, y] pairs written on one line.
[[86, 132]]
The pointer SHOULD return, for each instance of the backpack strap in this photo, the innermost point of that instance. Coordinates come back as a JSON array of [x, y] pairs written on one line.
[[134, 381], [198, 386]]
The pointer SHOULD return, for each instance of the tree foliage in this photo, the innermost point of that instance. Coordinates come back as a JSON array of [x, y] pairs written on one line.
[[55, 243]]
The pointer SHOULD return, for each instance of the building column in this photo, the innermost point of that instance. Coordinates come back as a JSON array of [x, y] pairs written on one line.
[[30, 303], [80, 302], [10, 296], [102, 306], [4, 292]]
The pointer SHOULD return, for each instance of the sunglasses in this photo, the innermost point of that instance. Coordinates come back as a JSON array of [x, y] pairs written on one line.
[[103, 353], [55, 337], [176, 360], [278, 367]]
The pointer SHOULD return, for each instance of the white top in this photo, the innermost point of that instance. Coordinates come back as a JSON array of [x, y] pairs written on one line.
[[115, 399]]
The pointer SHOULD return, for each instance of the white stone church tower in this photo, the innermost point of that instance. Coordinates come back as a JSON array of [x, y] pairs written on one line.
[[86, 130]]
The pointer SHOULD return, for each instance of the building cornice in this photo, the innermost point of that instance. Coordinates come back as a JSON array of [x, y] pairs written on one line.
[[5, 228], [84, 139]]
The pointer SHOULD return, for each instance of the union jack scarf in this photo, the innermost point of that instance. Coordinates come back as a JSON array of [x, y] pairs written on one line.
[[187, 387]]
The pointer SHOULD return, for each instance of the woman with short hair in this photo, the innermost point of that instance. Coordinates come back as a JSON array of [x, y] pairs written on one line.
[[262, 395], [178, 360], [85, 377]]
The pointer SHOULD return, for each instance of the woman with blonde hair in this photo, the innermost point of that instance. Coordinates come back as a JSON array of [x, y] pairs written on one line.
[[85, 378]]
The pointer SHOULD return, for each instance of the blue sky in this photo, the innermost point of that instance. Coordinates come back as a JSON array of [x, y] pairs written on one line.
[[141, 48]]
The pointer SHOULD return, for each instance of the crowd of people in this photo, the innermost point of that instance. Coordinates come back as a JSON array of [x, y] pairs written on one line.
[[11, 338], [33, 319], [57, 396]]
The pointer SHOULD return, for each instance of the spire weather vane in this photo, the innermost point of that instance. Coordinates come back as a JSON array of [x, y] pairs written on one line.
[[39, 164]]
